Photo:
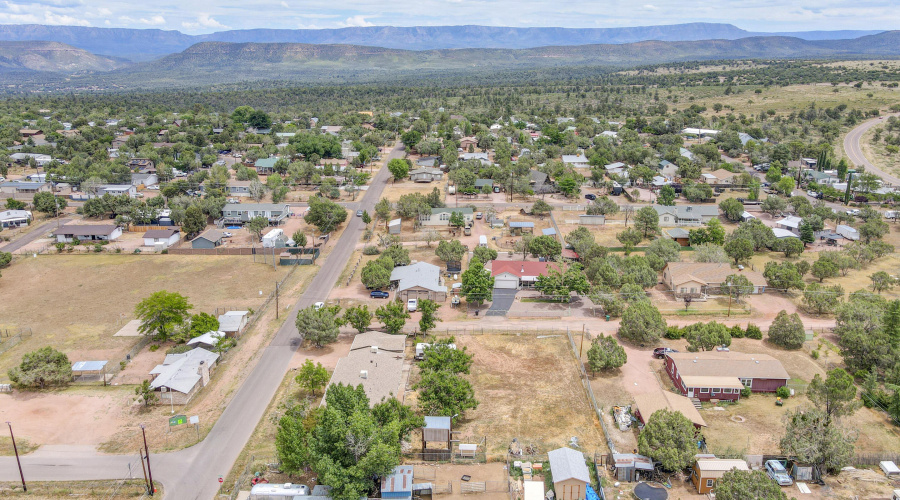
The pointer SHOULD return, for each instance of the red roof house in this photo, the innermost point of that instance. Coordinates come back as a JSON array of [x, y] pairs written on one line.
[[516, 274]]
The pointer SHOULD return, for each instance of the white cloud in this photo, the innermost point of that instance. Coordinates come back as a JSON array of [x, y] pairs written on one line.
[[285, 5], [204, 21], [62, 19], [356, 22], [153, 21], [651, 7], [103, 11]]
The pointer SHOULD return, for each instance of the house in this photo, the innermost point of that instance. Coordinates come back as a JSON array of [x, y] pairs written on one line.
[[144, 179], [685, 153], [630, 466], [540, 183], [466, 142], [668, 169], [211, 238], [809, 163], [118, 190], [699, 132], [686, 215], [265, 166], [426, 174], [208, 340], [418, 281], [161, 238], [610, 134], [398, 484], [480, 184], [140, 164], [19, 187], [617, 168], [441, 216], [699, 279], [375, 361], [15, 218], [576, 161], [790, 223], [86, 232], [27, 132], [232, 323], [707, 471], [394, 226], [241, 213], [570, 474], [515, 274], [681, 236], [428, 161], [41, 160], [722, 374], [236, 188], [722, 177], [181, 376], [36, 177], [745, 138], [645, 405], [821, 178], [482, 157]]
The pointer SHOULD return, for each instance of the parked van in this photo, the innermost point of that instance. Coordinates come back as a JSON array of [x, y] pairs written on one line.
[[482, 241]]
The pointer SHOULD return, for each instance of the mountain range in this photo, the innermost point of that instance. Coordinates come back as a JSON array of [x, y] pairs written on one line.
[[147, 44]]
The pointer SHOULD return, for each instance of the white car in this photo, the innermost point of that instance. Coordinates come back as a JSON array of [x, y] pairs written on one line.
[[154, 187], [227, 234], [318, 305], [412, 304], [854, 211], [777, 472], [812, 193]]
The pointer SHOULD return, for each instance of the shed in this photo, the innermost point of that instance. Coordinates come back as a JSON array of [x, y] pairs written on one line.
[[629, 466], [399, 483], [889, 468], [519, 227], [591, 220], [436, 430], [570, 473], [847, 232], [208, 340], [804, 472], [208, 239], [394, 226], [534, 490], [707, 471], [548, 231]]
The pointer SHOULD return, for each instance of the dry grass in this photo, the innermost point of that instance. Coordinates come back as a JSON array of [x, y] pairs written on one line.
[[52, 490], [76, 303], [877, 152], [528, 388], [394, 191], [24, 446]]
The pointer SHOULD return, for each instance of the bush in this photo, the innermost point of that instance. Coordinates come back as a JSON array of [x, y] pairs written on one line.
[[674, 333], [815, 354], [746, 392], [371, 250], [753, 332], [736, 332], [154, 347], [783, 392]]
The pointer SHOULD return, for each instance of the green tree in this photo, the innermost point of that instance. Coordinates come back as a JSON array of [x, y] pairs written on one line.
[[706, 336], [477, 283], [440, 356], [457, 219], [787, 331], [257, 225], [484, 254], [739, 249], [14, 204], [670, 439], [194, 221], [324, 214], [545, 246], [383, 210], [708, 252], [732, 209], [873, 229], [822, 269], [202, 323], [41, 368], [836, 395], [629, 238], [666, 196], [366, 218], [393, 316], [755, 231], [291, 438], [450, 251], [161, 312], [5, 259], [791, 247], [399, 169], [642, 323], [312, 377], [145, 393], [646, 220], [603, 206], [429, 320], [359, 317], [811, 437], [318, 326], [665, 249], [741, 485], [737, 286], [881, 281], [773, 205], [822, 299], [605, 353], [299, 239], [376, 274], [807, 234], [49, 204], [444, 393], [541, 207]]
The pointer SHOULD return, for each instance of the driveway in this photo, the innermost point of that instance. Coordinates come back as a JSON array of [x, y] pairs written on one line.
[[502, 301]]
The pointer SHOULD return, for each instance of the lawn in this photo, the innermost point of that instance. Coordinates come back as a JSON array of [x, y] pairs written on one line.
[[76, 303], [528, 388]]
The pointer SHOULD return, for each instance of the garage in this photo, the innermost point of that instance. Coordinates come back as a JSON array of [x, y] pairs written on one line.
[[506, 281]]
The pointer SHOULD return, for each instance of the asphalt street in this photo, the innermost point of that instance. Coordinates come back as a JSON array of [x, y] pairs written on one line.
[[854, 151]]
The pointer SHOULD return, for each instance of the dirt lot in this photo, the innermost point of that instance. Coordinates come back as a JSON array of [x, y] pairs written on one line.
[[493, 474], [528, 388], [77, 302]]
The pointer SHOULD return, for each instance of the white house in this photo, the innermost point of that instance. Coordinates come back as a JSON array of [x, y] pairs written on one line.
[[790, 223], [144, 179], [576, 161], [14, 218], [161, 238], [85, 232], [118, 190], [181, 376], [233, 322]]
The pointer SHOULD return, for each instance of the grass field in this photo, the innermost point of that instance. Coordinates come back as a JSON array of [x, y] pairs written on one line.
[[76, 303], [528, 388], [52, 490]]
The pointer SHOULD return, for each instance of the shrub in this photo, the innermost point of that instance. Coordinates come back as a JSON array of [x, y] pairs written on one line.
[[154, 347], [754, 332], [783, 392], [674, 333], [371, 250], [746, 392], [736, 332], [815, 354]]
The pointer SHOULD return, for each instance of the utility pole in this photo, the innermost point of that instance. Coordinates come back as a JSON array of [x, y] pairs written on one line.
[[144, 469], [18, 461], [276, 300], [581, 347], [147, 453]]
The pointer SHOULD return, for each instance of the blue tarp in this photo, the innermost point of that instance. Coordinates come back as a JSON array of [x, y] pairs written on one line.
[[591, 494]]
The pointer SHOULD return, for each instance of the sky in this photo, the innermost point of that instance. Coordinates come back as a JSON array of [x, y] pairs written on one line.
[[208, 16]]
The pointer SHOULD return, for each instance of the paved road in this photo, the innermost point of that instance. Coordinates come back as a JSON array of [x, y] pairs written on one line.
[[35, 234], [854, 151], [192, 474]]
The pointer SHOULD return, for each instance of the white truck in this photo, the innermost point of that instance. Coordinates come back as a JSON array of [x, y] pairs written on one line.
[[422, 346]]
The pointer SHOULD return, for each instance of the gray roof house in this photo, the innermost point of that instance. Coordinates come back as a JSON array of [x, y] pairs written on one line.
[[481, 183], [211, 238], [419, 281], [540, 182], [19, 187], [576, 161], [240, 213], [182, 375], [144, 179], [441, 216], [686, 215], [426, 174], [375, 360], [14, 218], [570, 473], [232, 323], [87, 232]]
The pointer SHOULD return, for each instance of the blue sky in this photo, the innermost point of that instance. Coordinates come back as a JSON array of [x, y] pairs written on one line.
[[206, 16]]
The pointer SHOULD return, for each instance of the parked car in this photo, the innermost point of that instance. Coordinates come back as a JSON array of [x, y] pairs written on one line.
[[853, 211], [359, 213], [412, 304], [812, 194], [318, 305], [660, 352], [479, 215], [591, 197], [378, 294], [154, 187], [778, 473], [227, 234]]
